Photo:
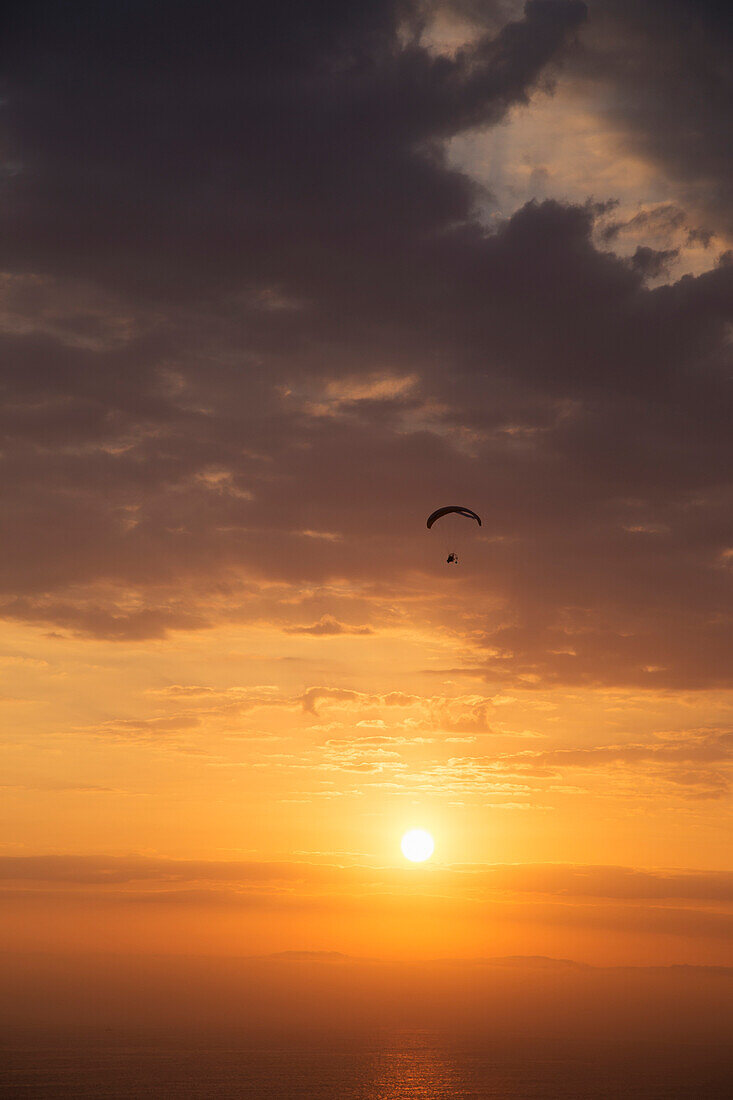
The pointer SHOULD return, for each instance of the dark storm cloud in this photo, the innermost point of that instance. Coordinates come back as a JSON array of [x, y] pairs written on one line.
[[301, 338], [274, 163], [173, 145]]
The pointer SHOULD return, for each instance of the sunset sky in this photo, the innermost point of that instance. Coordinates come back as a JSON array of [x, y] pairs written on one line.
[[277, 281]]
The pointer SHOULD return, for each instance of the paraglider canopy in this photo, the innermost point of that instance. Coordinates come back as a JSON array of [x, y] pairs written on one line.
[[453, 530], [457, 508]]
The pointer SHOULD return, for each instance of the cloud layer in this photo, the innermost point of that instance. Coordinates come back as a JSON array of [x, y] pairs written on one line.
[[302, 336]]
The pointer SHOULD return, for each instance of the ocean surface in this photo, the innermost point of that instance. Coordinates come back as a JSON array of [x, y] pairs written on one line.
[[399, 1065]]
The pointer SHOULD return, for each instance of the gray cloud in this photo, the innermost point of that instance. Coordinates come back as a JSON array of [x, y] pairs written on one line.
[[669, 83], [327, 626]]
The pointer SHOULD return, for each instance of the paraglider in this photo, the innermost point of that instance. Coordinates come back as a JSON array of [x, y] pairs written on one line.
[[452, 508], [458, 510]]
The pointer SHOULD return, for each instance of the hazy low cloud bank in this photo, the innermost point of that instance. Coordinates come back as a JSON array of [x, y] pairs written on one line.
[[120, 904], [566, 880], [496, 999]]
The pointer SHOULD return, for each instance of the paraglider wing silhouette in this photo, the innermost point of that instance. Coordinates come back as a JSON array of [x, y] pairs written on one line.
[[453, 508]]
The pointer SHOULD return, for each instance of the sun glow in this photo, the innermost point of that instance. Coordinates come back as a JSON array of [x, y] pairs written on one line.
[[417, 845]]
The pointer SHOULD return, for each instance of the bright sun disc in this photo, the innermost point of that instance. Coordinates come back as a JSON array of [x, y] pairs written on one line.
[[417, 845]]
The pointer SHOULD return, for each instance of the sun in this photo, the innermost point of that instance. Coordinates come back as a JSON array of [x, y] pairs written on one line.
[[417, 845]]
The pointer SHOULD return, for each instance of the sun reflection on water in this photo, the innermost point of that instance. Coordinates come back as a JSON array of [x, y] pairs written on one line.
[[412, 1066]]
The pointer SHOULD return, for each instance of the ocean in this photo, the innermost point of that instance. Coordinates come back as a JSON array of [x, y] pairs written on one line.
[[390, 1065]]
